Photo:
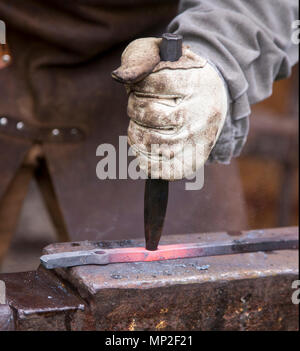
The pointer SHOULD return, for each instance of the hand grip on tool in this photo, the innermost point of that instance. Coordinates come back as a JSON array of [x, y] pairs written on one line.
[[156, 190]]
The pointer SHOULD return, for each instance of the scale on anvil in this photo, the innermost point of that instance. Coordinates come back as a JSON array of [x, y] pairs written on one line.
[[155, 205]]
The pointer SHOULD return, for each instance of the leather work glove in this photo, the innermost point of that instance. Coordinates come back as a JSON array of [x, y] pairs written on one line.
[[176, 109]]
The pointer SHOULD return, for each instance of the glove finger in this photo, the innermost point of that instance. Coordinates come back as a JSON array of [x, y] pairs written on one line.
[[158, 113]]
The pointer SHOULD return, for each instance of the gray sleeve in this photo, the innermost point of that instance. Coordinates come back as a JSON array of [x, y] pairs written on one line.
[[250, 43]]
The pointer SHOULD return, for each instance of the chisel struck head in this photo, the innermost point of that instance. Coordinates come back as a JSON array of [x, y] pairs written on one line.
[[171, 47]]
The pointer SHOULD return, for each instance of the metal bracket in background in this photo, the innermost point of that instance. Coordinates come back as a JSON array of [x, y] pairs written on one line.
[[251, 242]]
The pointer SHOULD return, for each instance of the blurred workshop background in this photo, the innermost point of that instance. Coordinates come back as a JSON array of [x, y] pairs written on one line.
[[268, 169]]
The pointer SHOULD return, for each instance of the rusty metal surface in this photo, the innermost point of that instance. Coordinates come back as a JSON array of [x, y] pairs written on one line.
[[6, 318], [40, 301], [250, 291]]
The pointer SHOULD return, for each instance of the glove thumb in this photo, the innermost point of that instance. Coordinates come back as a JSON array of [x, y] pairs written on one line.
[[138, 60]]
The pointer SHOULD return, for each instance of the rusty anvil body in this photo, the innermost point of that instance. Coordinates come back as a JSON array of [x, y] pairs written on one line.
[[245, 291]]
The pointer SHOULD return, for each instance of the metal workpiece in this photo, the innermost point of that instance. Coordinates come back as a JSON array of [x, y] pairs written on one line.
[[224, 245], [244, 291], [152, 270]]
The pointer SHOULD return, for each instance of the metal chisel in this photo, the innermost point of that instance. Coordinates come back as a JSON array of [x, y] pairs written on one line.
[[157, 190]]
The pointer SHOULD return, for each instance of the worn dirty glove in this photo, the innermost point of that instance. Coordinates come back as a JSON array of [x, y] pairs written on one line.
[[176, 109]]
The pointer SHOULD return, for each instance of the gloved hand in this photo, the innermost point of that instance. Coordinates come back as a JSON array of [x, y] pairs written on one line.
[[176, 109]]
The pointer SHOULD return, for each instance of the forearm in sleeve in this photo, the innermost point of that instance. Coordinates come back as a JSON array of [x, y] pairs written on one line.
[[250, 43]]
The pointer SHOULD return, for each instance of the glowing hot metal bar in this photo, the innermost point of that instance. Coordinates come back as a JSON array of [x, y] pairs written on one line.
[[170, 252]]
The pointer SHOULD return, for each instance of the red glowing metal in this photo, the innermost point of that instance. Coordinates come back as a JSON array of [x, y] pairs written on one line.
[[164, 252], [227, 246]]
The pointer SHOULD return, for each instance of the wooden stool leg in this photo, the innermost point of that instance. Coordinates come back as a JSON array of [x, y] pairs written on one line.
[[11, 205], [47, 190]]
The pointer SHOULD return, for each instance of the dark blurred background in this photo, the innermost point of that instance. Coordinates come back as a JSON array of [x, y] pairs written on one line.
[[268, 170]]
